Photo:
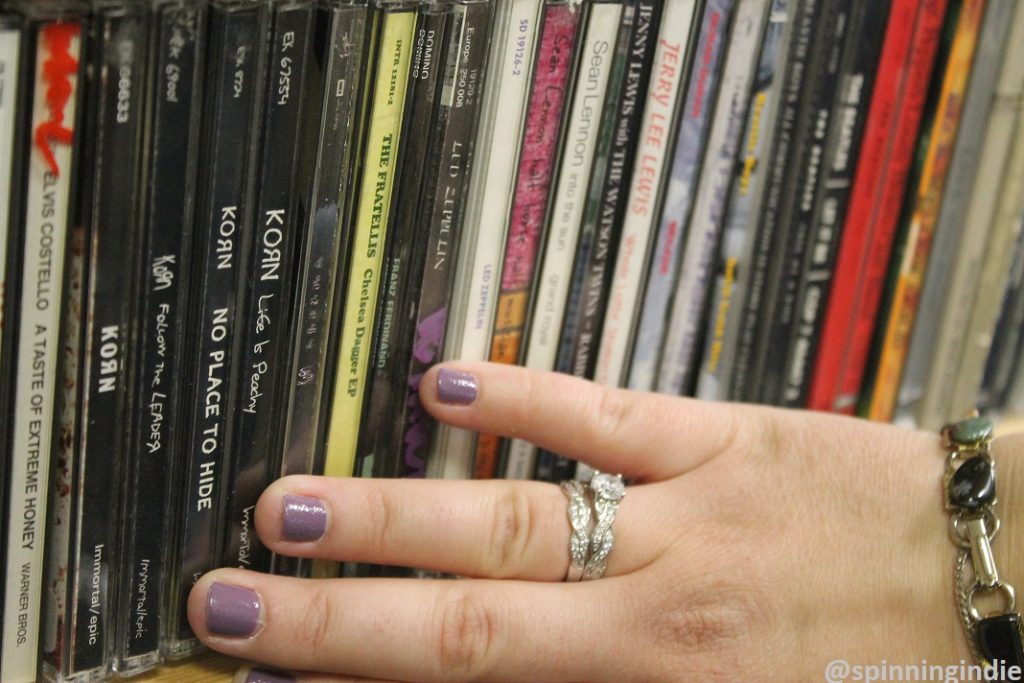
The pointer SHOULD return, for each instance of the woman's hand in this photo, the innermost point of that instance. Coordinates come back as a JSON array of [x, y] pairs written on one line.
[[756, 544]]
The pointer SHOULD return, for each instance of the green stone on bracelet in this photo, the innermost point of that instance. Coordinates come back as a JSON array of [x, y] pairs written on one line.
[[971, 431]]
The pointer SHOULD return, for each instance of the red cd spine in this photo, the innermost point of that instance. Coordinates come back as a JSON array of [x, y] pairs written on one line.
[[904, 72]]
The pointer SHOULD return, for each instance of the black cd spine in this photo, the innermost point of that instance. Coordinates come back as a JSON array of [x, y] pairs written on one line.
[[444, 209], [336, 92], [265, 319], [171, 147], [237, 46], [119, 40], [796, 212], [743, 383], [856, 83]]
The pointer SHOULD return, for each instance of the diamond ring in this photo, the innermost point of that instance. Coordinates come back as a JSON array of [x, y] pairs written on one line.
[[608, 491], [579, 518]]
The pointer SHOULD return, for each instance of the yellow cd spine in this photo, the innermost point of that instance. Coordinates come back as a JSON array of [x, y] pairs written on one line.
[[368, 246], [927, 202]]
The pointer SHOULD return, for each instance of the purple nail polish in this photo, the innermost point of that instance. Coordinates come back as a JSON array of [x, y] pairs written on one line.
[[456, 387], [232, 610], [304, 518], [264, 676]]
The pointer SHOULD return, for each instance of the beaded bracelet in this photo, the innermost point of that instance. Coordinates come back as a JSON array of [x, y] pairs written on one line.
[[970, 491]]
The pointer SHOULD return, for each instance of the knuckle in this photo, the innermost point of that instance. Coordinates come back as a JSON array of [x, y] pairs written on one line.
[[719, 623], [736, 435], [614, 412], [317, 621], [772, 438], [520, 412], [466, 634], [513, 520], [381, 512], [700, 630]]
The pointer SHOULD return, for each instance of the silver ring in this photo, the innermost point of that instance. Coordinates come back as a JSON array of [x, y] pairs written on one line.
[[608, 491], [579, 519]]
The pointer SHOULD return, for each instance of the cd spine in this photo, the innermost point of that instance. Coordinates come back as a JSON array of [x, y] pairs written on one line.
[[702, 82], [487, 208], [745, 194], [679, 362], [10, 89], [344, 33], [61, 520], [607, 213], [876, 197], [1004, 210], [530, 197], [768, 233], [407, 250], [658, 131], [14, 80], [370, 237], [253, 450], [793, 229], [237, 42], [604, 224], [926, 201], [1014, 396], [46, 216], [172, 134], [461, 93], [84, 644], [841, 151], [1000, 366], [992, 212], [983, 100], [597, 51]]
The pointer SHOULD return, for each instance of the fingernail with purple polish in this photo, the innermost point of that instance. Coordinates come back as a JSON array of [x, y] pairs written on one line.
[[456, 387], [264, 676], [232, 610], [304, 518]]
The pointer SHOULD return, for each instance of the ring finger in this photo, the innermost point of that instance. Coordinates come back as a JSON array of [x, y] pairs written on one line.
[[492, 529]]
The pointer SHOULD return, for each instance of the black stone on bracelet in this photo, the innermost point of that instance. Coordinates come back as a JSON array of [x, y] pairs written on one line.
[[999, 639], [970, 487]]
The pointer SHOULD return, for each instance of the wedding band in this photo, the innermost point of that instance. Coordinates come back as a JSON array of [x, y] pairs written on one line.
[[579, 519], [608, 491]]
